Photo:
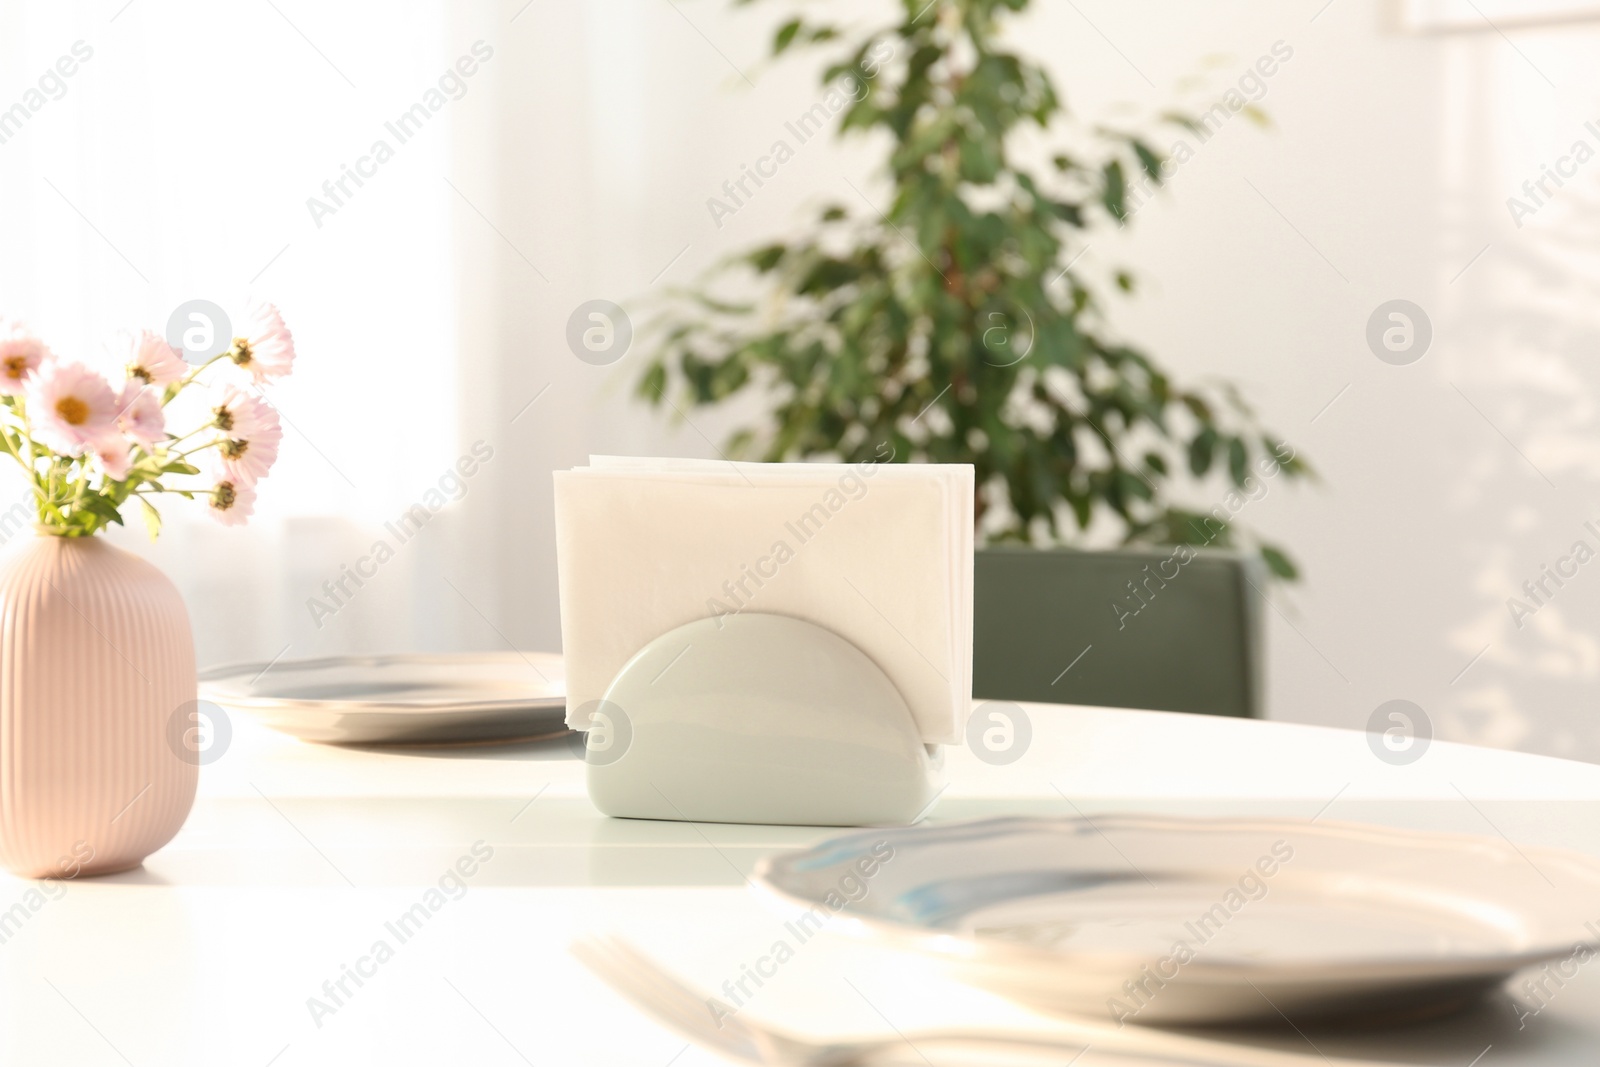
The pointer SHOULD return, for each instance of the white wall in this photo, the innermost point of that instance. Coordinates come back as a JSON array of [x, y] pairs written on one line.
[[1448, 482]]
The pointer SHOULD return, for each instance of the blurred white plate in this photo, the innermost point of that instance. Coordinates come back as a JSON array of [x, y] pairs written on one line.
[[1087, 917], [467, 698]]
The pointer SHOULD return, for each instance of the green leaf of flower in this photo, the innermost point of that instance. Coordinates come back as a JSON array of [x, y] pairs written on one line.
[[152, 518]]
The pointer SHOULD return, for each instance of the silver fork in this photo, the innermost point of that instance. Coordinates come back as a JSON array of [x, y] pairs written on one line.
[[681, 1007]]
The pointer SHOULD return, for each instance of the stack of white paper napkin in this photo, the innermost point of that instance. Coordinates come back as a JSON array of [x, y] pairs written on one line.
[[879, 553]]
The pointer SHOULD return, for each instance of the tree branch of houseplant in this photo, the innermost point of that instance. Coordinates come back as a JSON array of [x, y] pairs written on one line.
[[955, 323]]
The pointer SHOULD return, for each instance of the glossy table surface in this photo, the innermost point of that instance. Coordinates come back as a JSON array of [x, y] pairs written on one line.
[[283, 925]]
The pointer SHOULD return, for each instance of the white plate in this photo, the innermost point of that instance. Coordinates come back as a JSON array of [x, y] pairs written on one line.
[[467, 698], [1166, 920]]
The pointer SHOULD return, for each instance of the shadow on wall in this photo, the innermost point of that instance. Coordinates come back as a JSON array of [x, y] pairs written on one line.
[[1521, 336]]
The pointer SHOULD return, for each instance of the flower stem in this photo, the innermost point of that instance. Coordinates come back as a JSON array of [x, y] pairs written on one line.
[[188, 379], [197, 448], [179, 440], [33, 475]]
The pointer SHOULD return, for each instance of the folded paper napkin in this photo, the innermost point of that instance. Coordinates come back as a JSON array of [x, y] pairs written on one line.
[[879, 553]]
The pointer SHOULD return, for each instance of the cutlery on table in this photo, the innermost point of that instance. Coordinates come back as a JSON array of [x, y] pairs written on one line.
[[682, 1008]]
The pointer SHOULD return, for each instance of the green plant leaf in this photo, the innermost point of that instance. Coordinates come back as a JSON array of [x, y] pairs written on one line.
[[1149, 160], [768, 257], [653, 383], [785, 36], [152, 518], [1238, 462], [1279, 564], [1202, 449], [1115, 194]]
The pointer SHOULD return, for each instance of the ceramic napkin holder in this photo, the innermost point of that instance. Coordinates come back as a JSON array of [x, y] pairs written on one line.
[[765, 643], [758, 718]]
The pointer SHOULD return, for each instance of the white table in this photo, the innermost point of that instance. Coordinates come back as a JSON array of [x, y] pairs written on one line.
[[297, 856]]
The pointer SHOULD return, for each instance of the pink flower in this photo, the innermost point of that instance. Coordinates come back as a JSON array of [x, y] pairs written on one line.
[[140, 415], [21, 353], [113, 457], [231, 502], [265, 348], [251, 434], [70, 408], [150, 359], [241, 414], [246, 460]]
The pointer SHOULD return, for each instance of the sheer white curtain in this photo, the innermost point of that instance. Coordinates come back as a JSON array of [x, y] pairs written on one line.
[[156, 153], [430, 304]]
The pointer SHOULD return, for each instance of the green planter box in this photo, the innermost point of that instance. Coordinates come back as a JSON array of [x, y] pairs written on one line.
[[1133, 628]]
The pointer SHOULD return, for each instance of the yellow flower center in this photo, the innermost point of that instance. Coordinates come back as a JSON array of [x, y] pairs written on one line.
[[16, 367], [74, 411], [224, 418], [235, 449], [223, 496], [241, 351], [140, 372]]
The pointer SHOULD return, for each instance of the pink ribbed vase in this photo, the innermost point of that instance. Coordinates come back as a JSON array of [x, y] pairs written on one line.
[[96, 669]]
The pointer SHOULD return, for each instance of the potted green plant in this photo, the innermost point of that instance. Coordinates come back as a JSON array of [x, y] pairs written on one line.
[[949, 318]]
